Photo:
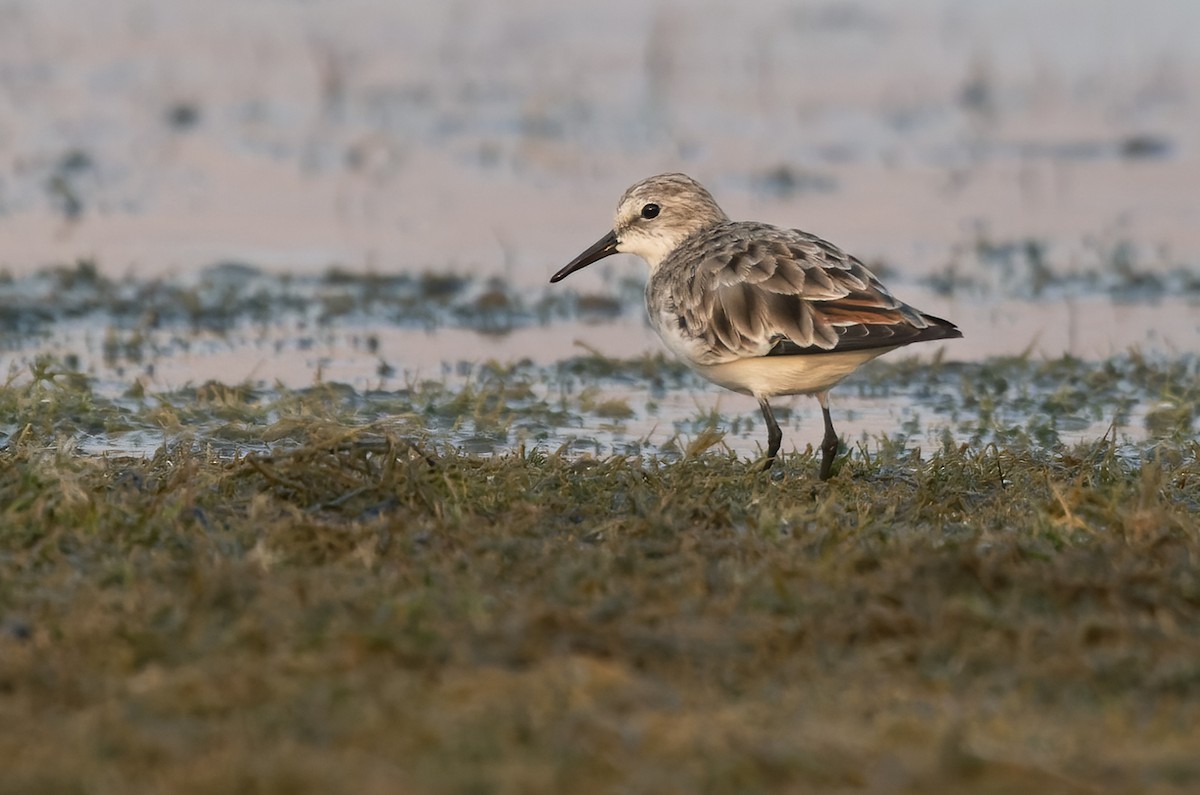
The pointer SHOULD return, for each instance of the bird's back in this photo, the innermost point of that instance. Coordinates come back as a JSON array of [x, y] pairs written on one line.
[[741, 289]]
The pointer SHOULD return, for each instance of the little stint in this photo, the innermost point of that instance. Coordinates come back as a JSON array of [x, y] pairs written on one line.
[[758, 309]]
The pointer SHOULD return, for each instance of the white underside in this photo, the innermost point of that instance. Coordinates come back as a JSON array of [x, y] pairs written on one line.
[[766, 376]]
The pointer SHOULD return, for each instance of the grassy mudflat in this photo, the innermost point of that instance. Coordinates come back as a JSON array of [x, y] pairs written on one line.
[[360, 606]]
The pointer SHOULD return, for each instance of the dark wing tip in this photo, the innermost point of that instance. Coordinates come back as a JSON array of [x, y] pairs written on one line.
[[865, 336], [938, 329]]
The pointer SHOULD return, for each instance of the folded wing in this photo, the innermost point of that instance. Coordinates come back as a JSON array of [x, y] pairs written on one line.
[[761, 290]]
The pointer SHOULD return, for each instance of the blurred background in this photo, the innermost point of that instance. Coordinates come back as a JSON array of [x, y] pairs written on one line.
[[1028, 169]]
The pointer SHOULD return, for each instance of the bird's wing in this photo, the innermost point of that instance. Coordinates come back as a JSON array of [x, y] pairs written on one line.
[[758, 290]]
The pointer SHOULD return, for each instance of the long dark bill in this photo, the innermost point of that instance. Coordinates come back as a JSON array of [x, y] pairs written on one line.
[[604, 247]]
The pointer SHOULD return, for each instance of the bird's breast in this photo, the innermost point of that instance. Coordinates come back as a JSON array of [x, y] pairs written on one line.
[[767, 376]]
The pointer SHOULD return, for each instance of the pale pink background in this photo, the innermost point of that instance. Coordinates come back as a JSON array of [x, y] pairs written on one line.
[[495, 138]]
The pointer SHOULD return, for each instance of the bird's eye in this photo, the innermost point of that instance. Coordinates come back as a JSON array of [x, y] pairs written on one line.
[[650, 211]]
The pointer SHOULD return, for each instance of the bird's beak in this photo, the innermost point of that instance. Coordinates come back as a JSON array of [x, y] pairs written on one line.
[[605, 246]]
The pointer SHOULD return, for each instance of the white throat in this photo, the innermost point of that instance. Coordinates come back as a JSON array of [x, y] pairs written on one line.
[[652, 248]]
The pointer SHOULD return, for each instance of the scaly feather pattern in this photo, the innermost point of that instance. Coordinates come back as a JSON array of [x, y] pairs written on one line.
[[740, 289]]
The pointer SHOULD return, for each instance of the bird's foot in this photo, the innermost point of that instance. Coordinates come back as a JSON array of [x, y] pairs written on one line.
[[828, 455]]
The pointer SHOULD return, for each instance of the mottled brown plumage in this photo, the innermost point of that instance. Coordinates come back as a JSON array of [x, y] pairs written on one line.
[[739, 289], [756, 308]]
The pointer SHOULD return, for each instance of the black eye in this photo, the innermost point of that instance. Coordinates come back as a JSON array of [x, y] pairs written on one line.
[[650, 211]]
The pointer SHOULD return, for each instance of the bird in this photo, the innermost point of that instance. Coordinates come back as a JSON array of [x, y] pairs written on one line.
[[758, 309]]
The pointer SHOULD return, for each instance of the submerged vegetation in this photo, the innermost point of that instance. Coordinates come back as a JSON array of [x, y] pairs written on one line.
[[232, 295], [325, 590], [594, 403], [1034, 270], [229, 295]]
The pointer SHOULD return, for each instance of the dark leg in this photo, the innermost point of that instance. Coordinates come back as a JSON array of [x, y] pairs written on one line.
[[774, 435], [829, 445]]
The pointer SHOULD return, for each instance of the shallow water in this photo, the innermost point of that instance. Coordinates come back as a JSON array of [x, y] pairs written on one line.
[[227, 369], [1033, 183], [159, 137]]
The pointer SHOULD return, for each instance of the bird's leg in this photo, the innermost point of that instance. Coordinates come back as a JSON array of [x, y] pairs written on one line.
[[829, 444], [774, 435]]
